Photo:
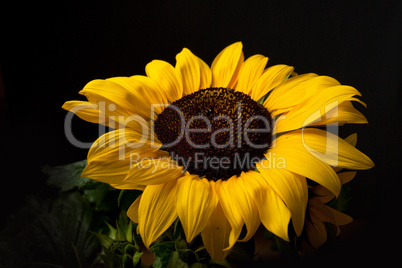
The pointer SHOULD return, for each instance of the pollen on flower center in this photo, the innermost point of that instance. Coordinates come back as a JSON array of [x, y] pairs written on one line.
[[215, 133]]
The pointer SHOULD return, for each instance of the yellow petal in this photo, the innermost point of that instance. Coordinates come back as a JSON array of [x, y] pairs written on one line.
[[151, 98], [322, 213], [156, 211], [289, 153], [319, 212], [87, 111], [226, 66], [316, 234], [330, 149], [132, 211], [270, 79], [346, 176], [314, 108], [250, 71], [339, 217], [124, 96], [167, 77], [195, 202], [215, 234], [206, 75], [322, 193], [154, 171], [290, 93], [128, 186], [342, 114], [112, 93], [273, 212], [246, 205], [352, 139], [224, 191], [98, 113], [194, 72], [111, 156], [292, 189], [359, 101], [295, 90]]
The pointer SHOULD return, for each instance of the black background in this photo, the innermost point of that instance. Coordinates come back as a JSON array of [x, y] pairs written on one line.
[[50, 50]]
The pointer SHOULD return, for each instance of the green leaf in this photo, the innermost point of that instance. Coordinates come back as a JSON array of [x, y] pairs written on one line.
[[96, 185], [174, 257], [120, 196], [163, 251], [112, 231], [181, 244], [104, 240], [157, 263], [66, 177], [129, 232], [120, 248], [137, 258], [177, 229], [175, 261]]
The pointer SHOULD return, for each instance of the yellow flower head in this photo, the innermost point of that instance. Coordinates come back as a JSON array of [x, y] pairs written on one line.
[[219, 147]]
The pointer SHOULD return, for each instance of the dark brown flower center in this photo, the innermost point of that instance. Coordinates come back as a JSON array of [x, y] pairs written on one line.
[[215, 133]]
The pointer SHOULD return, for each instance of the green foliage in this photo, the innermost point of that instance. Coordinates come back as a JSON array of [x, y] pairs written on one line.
[[52, 234], [70, 230], [67, 177], [120, 247], [173, 251]]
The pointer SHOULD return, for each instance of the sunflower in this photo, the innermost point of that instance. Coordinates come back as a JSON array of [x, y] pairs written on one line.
[[220, 148]]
